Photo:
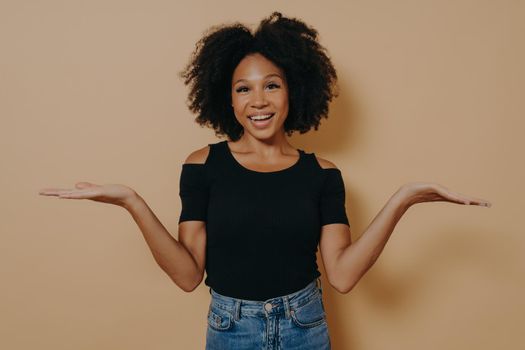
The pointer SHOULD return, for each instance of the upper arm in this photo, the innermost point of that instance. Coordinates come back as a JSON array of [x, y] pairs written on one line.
[[199, 156], [334, 239], [325, 164], [192, 233]]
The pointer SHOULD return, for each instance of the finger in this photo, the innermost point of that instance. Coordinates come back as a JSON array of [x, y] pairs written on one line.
[[468, 200], [52, 191], [57, 191], [72, 195], [480, 202], [443, 193], [83, 184], [455, 197], [78, 194]]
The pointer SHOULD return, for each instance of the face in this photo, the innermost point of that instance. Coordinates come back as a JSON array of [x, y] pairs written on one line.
[[259, 91]]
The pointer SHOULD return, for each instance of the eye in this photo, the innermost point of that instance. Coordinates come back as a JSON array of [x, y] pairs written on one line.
[[241, 89], [274, 85]]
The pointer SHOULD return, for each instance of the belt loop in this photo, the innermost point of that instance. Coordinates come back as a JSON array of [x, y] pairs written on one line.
[[286, 307], [237, 310]]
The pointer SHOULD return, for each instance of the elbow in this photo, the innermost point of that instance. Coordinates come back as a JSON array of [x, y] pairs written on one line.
[[190, 286], [187, 284], [343, 284], [343, 288], [188, 289]]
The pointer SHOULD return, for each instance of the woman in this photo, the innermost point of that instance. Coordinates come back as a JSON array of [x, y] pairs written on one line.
[[254, 208]]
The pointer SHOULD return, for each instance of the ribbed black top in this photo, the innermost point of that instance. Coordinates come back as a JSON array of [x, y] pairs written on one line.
[[262, 228]]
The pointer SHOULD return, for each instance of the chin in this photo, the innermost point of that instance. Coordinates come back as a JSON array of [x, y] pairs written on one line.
[[263, 134]]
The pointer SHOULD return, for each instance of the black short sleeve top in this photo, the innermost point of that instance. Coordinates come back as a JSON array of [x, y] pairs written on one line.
[[262, 228]]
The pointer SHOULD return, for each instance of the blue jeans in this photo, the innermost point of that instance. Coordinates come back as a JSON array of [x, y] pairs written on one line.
[[293, 321]]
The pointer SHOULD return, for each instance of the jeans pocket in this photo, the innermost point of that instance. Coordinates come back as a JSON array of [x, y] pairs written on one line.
[[219, 318], [310, 314]]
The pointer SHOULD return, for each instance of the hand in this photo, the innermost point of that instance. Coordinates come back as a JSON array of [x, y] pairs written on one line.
[[420, 192], [113, 194]]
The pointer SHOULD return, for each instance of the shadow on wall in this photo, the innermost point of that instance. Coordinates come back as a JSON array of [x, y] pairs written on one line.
[[335, 134], [468, 252]]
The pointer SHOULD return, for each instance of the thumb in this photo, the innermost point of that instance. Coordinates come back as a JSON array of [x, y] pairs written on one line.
[[81, 185]]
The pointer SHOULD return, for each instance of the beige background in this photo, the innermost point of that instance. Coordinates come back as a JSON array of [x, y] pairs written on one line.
[[429, 91]]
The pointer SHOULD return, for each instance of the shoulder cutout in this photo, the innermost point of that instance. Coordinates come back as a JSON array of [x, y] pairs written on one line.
[[199, 156], [325, 164]]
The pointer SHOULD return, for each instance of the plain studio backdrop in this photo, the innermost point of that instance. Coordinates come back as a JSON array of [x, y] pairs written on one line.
[[429, 91]]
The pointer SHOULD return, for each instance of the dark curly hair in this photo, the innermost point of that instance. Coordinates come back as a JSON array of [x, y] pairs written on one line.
[[289, 43]]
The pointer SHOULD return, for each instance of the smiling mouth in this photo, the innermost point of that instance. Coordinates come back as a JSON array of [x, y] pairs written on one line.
[[261, 117], [262, 121]]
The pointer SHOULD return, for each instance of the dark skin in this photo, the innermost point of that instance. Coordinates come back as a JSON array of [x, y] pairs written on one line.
[[259, 87]]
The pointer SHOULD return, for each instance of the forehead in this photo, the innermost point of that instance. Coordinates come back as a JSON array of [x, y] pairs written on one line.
[[255, 66]]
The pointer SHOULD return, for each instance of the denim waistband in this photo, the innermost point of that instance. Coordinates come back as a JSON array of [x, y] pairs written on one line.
[[273, 306]]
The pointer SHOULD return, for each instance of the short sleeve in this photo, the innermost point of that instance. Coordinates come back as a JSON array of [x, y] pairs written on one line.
[[193, 192], [332, 204]]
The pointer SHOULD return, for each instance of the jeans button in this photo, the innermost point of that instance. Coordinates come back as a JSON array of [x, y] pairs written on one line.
[[268, 307]]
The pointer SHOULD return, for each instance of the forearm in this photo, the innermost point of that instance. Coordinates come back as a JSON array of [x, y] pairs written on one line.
[[357, 258], [171, 256]]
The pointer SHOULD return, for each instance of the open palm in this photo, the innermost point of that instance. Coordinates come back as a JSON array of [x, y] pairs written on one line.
[[111, 193], [421, 192]]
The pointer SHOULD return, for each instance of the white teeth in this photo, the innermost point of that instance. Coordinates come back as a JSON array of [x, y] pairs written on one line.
[[260, 117]]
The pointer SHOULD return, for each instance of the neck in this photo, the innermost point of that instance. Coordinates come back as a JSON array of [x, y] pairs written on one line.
[[276, 145]]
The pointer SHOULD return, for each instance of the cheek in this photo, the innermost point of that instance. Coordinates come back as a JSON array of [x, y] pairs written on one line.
[[238, 111], [238, 103], [235, 103], [284, 102]]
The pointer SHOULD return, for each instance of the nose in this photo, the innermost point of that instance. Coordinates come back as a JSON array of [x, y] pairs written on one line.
[[259, 99]]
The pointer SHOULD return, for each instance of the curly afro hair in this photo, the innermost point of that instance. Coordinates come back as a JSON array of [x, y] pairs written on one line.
[[289, 43]]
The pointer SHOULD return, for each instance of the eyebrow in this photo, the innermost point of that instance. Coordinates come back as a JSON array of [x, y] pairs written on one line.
[[269, 75]]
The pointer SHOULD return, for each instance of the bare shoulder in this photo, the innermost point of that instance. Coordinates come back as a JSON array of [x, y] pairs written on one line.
[[198, 156], [325, 164]]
